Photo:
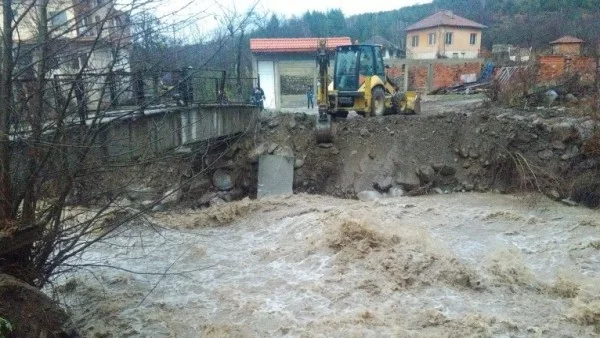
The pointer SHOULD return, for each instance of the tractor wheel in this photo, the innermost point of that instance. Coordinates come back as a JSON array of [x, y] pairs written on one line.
[[397, 101], [377, 102]]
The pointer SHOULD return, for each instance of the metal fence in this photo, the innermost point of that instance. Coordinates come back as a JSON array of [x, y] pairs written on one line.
[[107, 91]]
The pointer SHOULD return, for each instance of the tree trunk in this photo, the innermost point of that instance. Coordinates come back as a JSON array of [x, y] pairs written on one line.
[[6, 110]]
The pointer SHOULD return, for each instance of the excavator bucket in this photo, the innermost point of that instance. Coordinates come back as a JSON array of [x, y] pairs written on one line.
[[413, 102], [417, 105], [323, 127]]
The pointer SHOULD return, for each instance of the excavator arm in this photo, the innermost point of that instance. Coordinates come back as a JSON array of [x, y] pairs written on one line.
[[323, 127]]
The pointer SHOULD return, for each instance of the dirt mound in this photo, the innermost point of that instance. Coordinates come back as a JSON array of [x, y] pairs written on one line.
[[30, 313], [476, 149]]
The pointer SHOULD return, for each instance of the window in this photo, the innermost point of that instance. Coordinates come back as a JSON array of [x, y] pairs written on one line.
[[431, 39], [379, 67], [57, 18], [448, 38], [473, 39], [415, 41], [85, 27]]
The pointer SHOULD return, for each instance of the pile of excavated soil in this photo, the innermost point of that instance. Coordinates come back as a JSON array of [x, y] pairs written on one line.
[[467, 149], [458, 265]]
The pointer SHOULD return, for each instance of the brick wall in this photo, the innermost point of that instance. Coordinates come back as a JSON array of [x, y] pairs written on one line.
[[448, 75], [417, 77], [444, 73], [553, 67]]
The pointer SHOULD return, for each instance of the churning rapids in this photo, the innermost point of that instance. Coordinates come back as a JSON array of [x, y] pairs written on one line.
[[459, 265]]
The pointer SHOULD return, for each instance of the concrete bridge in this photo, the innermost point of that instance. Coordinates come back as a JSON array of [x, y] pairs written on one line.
[[135, 133]]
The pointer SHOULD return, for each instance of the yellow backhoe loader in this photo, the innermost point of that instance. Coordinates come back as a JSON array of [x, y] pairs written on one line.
[[359, 84]]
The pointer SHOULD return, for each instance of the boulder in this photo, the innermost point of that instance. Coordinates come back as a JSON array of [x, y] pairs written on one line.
[[284, 151], [216, 201], [298, 163], [364, 132], [587, 129], [272, 147], [408, 180], [473, 154], [545, 154], [558, 145], [222, 180], [468, 186], [159, 208], [383, 183], [551, 96], [571, 153], [171, 196], [443, 169], [426, 174], [137, 193], [274, 123], [564, 132], [255, 153], [123, 202], [571, 98]]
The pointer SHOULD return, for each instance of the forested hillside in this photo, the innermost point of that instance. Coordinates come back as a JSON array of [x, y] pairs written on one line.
[[520, 22]]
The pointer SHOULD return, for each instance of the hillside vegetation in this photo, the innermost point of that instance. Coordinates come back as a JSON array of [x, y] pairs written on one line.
[[519, 22]]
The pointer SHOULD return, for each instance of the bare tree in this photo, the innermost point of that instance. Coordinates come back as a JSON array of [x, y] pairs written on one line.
[[65, 70]]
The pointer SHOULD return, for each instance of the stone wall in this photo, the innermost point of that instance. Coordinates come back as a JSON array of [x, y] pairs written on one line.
[[294, 85]]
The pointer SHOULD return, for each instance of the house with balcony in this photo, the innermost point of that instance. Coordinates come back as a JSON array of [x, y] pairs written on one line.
[[75, 28], [85, 39], [444, 35]]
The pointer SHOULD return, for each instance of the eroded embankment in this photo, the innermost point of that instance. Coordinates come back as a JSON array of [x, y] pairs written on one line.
[[457, 265], [482, 149]]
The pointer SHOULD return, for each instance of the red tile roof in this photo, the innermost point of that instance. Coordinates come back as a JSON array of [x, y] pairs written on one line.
[[567, 39], [445, 18], [294, 45]]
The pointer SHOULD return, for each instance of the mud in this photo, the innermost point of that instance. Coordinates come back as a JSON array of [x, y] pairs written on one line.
[[458, 265]]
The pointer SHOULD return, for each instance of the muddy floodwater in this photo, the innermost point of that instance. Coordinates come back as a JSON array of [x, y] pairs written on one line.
[[460, 265]]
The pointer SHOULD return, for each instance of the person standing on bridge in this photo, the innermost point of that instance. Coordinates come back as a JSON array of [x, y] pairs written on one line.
[[309, 97]]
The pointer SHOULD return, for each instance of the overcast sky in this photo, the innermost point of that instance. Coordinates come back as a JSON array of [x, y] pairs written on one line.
[[349, 7], [212, 9]]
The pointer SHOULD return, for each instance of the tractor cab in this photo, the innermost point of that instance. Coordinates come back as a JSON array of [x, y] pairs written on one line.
[[353, 63]]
